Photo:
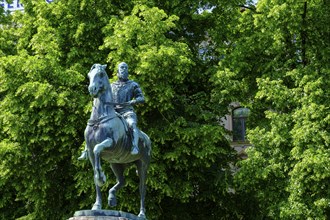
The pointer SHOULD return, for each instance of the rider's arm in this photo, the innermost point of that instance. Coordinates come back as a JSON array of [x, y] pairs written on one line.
[[138, 95]]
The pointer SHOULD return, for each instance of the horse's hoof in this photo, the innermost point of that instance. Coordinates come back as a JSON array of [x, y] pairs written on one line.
[[142, 215], [112, 202], [96, 207]]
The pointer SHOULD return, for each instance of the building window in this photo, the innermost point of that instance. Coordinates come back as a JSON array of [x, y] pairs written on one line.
[[239, 117]]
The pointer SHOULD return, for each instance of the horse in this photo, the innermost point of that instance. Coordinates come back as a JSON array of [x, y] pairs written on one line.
[[107, 136]]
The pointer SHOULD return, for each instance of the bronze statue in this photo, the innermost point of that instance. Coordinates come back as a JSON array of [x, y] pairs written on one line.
[[108, 135], [128, 92]]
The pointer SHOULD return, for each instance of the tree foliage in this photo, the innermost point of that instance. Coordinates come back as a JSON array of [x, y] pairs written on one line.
[[46, 52], [192, 60], [277, 64]]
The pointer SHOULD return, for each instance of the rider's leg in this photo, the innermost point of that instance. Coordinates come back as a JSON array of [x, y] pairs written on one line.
[[131, 121], [135, 149]]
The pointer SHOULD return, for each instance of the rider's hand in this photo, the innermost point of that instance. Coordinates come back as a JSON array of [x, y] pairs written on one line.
[[132, 102]]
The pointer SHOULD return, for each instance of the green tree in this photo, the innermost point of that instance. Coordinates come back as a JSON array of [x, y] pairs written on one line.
[[46, 53], [187, 139], [277, 64]]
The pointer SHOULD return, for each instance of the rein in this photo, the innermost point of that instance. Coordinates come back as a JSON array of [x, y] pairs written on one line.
[[95, 123], [116, 103]]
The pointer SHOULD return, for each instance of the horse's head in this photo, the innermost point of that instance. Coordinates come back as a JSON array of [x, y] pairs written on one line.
[[98, 80]]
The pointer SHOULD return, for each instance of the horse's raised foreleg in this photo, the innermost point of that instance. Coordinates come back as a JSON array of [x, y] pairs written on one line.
[[99, 175], [142, 172], [118, 170]]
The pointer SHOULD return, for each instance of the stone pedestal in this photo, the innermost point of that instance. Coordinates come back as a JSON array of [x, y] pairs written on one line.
[[104, 215]]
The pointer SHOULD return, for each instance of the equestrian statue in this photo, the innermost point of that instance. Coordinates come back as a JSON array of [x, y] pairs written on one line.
[[112, 134]]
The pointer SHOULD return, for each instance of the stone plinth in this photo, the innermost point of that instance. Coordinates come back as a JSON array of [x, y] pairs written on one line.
[[104, 215]]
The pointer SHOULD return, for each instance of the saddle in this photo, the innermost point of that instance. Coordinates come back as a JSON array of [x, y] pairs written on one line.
[[128, 130]]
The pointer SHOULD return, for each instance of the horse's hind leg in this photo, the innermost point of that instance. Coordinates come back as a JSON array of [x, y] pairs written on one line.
[[142, 172], [118, 170]]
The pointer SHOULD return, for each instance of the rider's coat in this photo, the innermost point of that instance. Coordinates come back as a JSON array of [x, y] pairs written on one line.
[[125, 91]]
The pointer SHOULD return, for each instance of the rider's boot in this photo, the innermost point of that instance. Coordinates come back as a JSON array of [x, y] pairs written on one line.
[[135, 142], [84, 155]]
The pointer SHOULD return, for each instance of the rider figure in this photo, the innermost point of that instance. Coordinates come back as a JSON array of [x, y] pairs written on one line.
[[126, 93]]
